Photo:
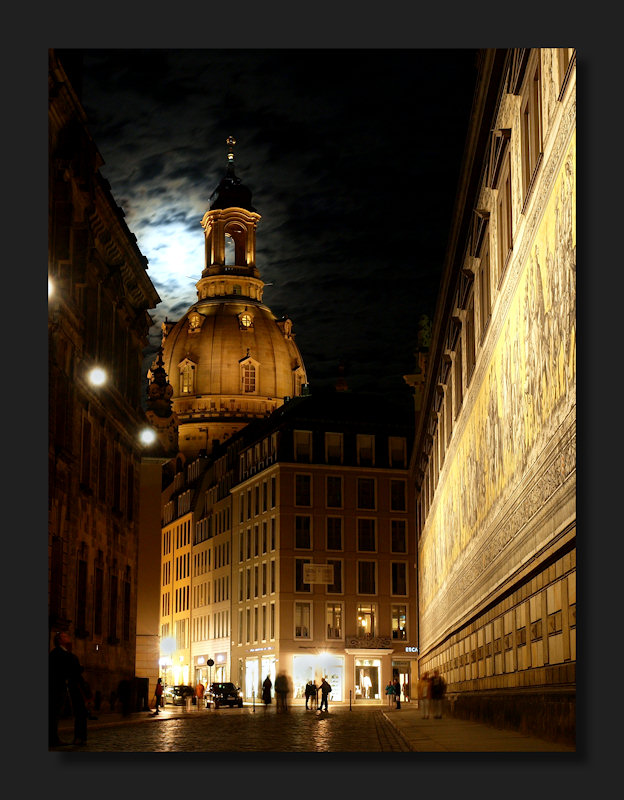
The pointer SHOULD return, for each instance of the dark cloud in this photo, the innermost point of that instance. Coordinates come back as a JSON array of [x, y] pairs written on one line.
[[353, 160]]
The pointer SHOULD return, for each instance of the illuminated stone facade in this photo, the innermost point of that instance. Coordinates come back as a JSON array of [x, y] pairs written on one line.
[[292, 552], [495, 457], [98, 317]]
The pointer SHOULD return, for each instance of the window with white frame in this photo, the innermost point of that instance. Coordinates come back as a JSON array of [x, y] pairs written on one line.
[[333, 616], [302, 620]]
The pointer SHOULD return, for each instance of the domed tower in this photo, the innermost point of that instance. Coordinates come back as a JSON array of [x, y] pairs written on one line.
[[228, 359]]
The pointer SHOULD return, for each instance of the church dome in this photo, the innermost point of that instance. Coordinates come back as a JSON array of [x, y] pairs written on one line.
[[229, 360]]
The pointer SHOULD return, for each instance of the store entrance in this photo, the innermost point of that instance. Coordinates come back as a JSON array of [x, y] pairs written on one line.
[[367, 679]]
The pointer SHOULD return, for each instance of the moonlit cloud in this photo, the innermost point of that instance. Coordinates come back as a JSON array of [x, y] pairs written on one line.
[[352, 157]]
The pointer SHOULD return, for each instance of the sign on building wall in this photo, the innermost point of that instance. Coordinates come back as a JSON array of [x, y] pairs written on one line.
[[318, 573]]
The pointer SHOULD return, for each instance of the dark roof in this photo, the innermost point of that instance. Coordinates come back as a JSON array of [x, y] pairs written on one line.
[[231, 192]]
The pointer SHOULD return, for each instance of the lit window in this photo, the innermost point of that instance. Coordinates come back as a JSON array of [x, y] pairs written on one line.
[[249, 378], [187, 375]]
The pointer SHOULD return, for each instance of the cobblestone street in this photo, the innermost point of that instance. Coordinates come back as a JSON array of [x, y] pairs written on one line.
[[236, 730]]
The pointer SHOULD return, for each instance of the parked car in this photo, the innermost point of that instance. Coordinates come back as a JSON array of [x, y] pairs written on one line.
[[224, 694], [176, 695]]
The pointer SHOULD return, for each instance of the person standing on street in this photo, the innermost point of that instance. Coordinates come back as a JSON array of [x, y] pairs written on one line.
[[438, 689], [281, 691], [65, 678], [390, 692], [266, 692], [397, 692], [325, 689], [424, 691], [158, 692], [199, 694]]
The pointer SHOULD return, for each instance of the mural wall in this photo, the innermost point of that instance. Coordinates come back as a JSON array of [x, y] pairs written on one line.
[[527, 391]]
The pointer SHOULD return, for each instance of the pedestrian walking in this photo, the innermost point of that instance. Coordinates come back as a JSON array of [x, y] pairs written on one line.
[[325, 689], [66, 681], [266, 692], [158, 693], [438, 690], [390, 692], [424, 694], [397, 692], [406, 696], [281, 691], [199, 694]]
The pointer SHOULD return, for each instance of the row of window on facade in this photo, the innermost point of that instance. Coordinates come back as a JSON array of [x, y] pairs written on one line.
[[530, 635], [485, 266], [249, 374], [107, 471], [106, 610], [366, 576], [257, 623], [334, 449]]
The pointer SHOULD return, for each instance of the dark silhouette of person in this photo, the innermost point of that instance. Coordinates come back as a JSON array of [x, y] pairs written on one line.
[[65, 680], [438, 689], [266, 692], [123, 693], [397, 692], [311, 690], [281, 691], [325, 689]]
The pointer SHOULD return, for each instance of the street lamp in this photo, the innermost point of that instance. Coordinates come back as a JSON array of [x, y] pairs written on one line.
[[147, 436], [97, 376]]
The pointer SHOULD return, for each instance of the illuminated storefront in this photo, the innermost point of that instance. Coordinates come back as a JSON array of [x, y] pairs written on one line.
[[315, 667]]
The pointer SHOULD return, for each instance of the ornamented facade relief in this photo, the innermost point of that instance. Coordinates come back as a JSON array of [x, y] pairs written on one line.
[[528, 390]]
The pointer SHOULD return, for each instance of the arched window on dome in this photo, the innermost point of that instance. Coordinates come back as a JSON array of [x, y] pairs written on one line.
[[248, 374], [187, 377], [249, 378]]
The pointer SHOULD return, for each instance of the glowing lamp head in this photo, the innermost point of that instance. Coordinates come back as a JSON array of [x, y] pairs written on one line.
[[147, 436], [97, 376]]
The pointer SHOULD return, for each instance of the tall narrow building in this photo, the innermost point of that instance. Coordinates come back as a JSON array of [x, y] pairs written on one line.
[[229, 359]]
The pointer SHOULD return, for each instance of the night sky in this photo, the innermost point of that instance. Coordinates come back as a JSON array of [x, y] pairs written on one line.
[[353, 159]]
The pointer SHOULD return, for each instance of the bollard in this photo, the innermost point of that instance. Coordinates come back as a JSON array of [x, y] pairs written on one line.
[[253, 702], [350, 709]]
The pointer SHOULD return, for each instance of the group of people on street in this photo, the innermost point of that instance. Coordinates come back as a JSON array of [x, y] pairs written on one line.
[[431, 691], [282, 690], [393, 693]]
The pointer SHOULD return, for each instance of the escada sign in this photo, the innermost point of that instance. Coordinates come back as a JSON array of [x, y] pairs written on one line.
[[411, 649]]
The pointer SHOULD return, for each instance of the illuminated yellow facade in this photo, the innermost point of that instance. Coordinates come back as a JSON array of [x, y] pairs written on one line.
[[495, 461]]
